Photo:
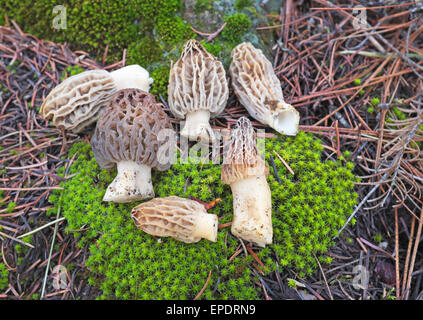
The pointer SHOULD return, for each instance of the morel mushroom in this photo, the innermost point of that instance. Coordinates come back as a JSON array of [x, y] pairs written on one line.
[[182, 219], [245, 171], [197, 90], [259, 90], [126, 136], [76, 102]]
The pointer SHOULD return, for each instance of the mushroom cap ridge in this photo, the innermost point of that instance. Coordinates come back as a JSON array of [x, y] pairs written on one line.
[[241, 159], [76, 102], [197, 81], [127, 130]]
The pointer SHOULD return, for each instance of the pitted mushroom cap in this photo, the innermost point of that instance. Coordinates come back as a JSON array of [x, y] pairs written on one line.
[[197, 81], [241, 158], [76, 102], [127, 130], [172, 217], [259, 89]]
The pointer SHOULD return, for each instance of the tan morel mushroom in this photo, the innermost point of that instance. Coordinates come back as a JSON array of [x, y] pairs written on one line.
[[182, 219], [259, 90], [126, 136], [197, 90], [245, 171], [76, 102]]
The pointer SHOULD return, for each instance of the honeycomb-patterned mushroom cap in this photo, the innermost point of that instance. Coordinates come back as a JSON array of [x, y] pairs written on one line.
[[76, 102], [197, 81], [241, 157], [182, 219], [259, 89], [127, 130]]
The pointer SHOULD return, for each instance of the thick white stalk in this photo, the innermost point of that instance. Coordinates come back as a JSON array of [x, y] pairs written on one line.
[[197, 126], [132, 183], [284, 119], [132, 76], [206, 227], [252, 203]]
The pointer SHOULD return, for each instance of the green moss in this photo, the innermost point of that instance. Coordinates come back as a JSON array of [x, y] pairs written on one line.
[[375, 101], [214, 48], [127, 263], [357, 81], [4, 276], [144, 52], [203, 5], [241, 4], [91, 25], [70, 71], [173, 29], [161, 81], [308, 209], [10, 207], [236, 26]]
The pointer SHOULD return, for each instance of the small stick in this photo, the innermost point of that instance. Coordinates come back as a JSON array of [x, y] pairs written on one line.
[[397, 275], [413, 257], [204, 287], [324, 277], [284, 162]]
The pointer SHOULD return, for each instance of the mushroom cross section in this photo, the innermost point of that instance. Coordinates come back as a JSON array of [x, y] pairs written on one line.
[[245, 171], [259, 89], [197, 90], [126, 136], [180, 218]]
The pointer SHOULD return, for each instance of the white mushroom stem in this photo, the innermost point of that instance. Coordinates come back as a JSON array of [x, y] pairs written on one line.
[[132, 183], [197, 126], [206, 227], [284, 119], [132, 76], [252, 204]]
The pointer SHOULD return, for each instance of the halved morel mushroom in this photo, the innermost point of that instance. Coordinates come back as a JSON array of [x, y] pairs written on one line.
[[259, 90], [76, 102], [245, 171], [197, 90], [182, 219], [126, 137]]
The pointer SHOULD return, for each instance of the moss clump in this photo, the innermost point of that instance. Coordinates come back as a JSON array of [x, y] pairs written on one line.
[[310, 206], [308, 209], [127, 263], [144, 52], [173, 30], [236, 26], [161, 81], [4, 276], [91, 25]]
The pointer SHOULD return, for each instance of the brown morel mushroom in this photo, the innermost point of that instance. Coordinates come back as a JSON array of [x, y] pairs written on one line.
[[76, 102], [259, 90], [182, 219], [126, 136], [197, 90], [245, 171]]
